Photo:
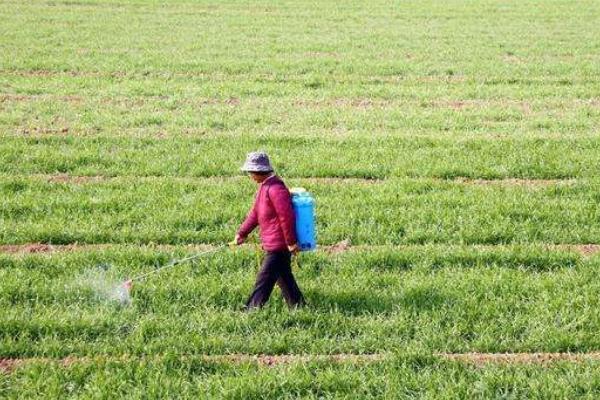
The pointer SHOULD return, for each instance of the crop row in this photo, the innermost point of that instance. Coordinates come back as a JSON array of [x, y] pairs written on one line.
[[406, 377], [305, 157], [396, 211], [188, 116], [242, 105], [369, 301], [392, 39]]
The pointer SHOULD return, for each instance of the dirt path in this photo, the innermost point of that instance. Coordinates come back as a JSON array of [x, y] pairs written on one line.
[[519, 358], [585, 250], [516, 182], [32, 248], [7, 365], [80, 180]]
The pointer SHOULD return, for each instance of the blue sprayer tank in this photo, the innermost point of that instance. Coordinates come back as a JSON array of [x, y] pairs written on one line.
[[304, 209]]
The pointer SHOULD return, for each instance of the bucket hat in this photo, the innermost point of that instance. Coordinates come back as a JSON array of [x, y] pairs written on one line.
[[257, 161]]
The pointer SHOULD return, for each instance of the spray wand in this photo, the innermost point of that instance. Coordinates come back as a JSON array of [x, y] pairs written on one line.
[[129, 283]]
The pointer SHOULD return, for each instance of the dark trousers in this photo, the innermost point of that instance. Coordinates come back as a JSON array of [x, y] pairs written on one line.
[[276, 268]]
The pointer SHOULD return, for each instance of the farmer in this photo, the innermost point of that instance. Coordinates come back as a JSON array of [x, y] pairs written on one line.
[[272, 212]]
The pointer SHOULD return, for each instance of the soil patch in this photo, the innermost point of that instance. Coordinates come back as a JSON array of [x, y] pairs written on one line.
[[586, 250], [273, 360], [37, 130], [27, 248], [49, 73], [515, 182], [36, 97], [519, 358], [8, 365], [75, 179], [322, 54], [64, 178], [339, 247], [360, 103], [32, 248]]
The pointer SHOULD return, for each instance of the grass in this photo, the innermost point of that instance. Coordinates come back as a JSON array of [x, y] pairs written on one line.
[[305, 157], [433, 299], [404, 377], [159, 103], [398, 211]]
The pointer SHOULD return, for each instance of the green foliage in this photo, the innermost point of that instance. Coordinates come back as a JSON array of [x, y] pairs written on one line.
[[402, 377], [394, 211], [409, 97], [425, 297]]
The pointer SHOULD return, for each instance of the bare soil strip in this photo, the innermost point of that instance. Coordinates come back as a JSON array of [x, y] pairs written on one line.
[[516, 182], [74, 179], [220, 76], [79, 180], [526, 107], [33, 97], [32, 248], [8, 365], [585, 250], [519, 358], [64, 178]]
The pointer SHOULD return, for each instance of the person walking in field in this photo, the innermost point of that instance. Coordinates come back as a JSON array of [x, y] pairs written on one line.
[[273, 213]]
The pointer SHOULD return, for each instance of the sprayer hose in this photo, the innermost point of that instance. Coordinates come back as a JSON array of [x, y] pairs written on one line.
[[177, 262]]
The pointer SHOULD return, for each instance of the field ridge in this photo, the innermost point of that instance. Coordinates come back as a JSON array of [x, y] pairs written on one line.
[[587, 249], [84, 179], [7, 365]]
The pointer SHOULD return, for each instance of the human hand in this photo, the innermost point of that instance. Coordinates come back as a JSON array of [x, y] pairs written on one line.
[[294, 249], [238, 240]]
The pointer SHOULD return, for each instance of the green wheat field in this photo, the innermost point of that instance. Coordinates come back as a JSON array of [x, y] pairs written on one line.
[[453, 147]]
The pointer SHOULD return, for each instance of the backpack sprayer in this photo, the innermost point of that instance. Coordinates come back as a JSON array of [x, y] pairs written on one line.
[[303, 204], [304, 210]]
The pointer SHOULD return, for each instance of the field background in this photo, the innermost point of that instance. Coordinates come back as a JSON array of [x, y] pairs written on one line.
[[455, 144]]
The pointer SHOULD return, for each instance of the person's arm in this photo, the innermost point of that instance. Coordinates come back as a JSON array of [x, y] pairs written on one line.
[[248, 225], [280, 197]]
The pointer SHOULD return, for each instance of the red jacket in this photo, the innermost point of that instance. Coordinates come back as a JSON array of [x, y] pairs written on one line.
[[273, 213]]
